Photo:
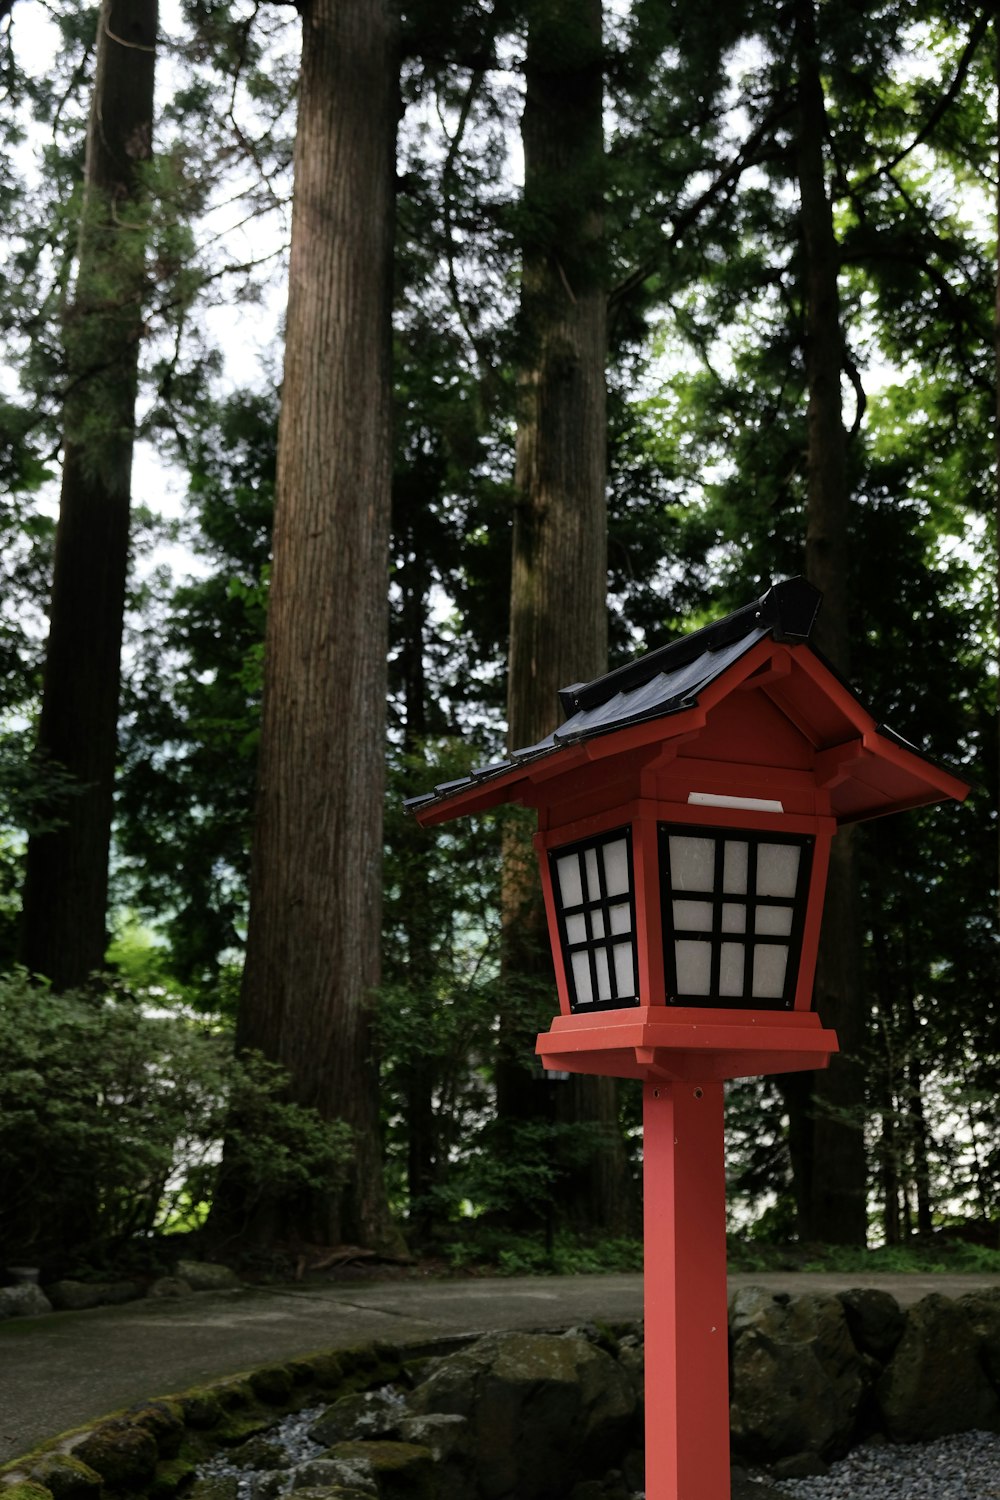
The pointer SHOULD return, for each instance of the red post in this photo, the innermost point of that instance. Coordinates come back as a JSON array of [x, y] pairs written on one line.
[[687, 1359]]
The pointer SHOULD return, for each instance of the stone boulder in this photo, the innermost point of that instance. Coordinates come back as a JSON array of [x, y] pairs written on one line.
[[983, 1312], [169, 1287], [365, 1414], [334, 1491], [875, 1321], [205, 1276], [935, 1384], [544, 1412], [25, 1300], [124, 1454], [67, 1477], [401, 1471], [797, 1380], [78, 1296]]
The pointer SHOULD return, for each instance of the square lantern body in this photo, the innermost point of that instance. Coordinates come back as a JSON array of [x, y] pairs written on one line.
[[684, 905], [686, 810]]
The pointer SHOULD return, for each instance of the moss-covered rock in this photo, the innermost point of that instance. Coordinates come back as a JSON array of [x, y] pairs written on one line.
[[272, 1384], [123, 1453], [25, 1489], [164, 1420], [364, 1414], [76, 1296], [172, 1476], [935, 1384], [234, 1395], [206, 1276], [201, 1409], [215, 1487], [327, 1473], [545, 1411], [336, 1492], [369, 1365], [402, 1471], [798, 1382], [259, 1454], [982, 1309], [322, 1370], [875, 1320], [66, 1476], [236, 1427]]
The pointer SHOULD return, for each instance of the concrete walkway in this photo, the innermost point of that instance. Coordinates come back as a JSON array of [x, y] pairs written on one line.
[[67, 1369]]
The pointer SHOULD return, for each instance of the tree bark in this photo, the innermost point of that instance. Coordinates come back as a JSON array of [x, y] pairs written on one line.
[[312, 960], [835, 1199], [996, 426], [63, 929], [558, 611]]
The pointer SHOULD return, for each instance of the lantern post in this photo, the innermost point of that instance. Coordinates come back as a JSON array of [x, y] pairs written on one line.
[[686, 809]]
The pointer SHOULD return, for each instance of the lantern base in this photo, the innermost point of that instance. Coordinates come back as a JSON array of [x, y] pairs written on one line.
[[654, 1043]]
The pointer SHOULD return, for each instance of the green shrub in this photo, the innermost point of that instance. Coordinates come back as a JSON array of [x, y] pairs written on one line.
[[111, 1119]]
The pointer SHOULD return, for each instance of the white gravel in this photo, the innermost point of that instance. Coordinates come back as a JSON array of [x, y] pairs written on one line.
[[966, 1467]]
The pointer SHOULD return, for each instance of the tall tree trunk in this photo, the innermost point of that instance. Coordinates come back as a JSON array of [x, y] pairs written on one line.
[[420, 1073], [996, 427], [835, 1199], [312, 960], [558, 612], [63, 930]]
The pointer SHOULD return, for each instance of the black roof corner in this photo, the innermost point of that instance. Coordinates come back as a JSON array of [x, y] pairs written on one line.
[[794, 605]]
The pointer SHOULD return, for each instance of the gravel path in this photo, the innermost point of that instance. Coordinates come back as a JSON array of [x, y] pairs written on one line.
[[966, 1467]]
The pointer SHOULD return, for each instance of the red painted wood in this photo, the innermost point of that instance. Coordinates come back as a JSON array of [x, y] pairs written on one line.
[[686, 1339], [685, 1042]]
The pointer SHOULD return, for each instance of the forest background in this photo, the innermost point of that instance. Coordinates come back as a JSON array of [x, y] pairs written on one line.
[[597, 321]]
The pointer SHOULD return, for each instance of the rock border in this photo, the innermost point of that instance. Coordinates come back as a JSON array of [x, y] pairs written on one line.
[[152, 1449], [811, 1377], [27, 1299]]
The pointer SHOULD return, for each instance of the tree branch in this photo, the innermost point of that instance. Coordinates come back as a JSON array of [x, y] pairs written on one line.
[[747, 156], [943, 104]]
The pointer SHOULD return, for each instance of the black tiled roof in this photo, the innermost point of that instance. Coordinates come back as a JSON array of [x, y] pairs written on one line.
[[661, 682]]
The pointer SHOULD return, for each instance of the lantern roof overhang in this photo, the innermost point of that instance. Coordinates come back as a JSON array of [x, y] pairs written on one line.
[[868, 768]]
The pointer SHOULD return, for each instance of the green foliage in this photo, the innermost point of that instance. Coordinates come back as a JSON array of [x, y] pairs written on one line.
[[111, 1117], [474, 1245], [940, 1255]]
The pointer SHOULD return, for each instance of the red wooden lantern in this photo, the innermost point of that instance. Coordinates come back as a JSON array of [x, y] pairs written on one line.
[[685, 813]]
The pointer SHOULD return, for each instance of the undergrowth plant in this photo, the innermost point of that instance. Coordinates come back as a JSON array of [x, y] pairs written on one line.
[[111, 1115]]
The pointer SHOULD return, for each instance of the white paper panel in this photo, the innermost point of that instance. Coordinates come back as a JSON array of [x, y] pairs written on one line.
[[625, 970], [777, 869], [734, 868], [692, 863], [694, 966], [581, 978], [770, 962], [774, 921], [603, 974], [621, 918], [731, 969], [576, 928], [734, 917], [597, 923], [616, 867], [569, 880], [692, 916]]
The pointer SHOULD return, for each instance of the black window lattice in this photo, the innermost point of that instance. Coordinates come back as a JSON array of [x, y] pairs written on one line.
[[733, 905], [594, 893]]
